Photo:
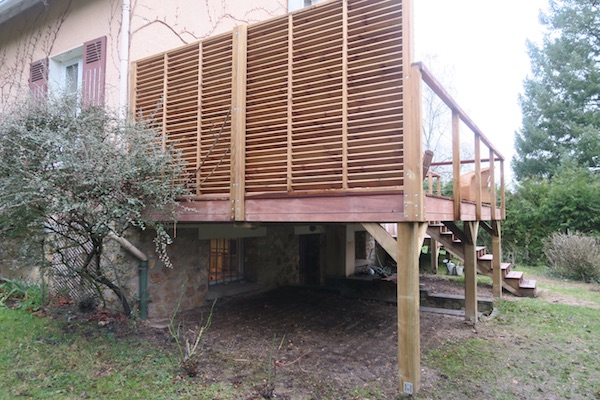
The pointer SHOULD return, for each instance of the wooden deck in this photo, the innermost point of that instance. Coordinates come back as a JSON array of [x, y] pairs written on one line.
[[311, 116], [344, 207]]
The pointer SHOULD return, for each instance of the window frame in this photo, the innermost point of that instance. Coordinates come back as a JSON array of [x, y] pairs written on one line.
[[223, 266]]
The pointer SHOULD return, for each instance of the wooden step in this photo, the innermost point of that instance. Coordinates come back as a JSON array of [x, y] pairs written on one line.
[[515, 275], [505, 267], [528, 288], [481, 251], [514, 279], [486, 257], [484, 262]]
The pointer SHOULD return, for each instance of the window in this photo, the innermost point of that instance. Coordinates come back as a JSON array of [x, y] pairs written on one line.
[[294, 5], [80, 71], [65, 73], [225, 261]]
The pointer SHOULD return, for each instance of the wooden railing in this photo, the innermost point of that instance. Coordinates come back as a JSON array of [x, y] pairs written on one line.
[[494, 156], [307, 102], [320, 101]]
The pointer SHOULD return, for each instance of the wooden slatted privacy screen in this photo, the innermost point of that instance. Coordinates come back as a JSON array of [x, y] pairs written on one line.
[[323, 102]]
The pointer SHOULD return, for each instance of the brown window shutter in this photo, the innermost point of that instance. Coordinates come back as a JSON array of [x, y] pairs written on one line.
[[94, 72], [38, 78]]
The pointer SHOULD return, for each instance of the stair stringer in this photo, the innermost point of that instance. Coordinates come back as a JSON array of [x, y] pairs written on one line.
[[383, 237], [457, 249]]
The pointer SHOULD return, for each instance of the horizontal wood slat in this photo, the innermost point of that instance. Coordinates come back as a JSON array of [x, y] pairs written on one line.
[[323, 102]]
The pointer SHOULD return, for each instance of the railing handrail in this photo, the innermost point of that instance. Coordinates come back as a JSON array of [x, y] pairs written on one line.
[[439, 90]]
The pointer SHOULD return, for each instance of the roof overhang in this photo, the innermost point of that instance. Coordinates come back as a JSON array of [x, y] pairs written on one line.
[[10, 8]]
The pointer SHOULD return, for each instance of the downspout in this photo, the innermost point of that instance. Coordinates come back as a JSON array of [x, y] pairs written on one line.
[[142, 269], [124, 56]]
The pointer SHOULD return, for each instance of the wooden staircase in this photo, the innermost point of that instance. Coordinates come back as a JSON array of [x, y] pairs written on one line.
[[512, 281]]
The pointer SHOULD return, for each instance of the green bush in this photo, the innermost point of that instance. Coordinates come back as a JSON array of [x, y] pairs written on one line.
[[573, 256], [537, 208], [22, 295]]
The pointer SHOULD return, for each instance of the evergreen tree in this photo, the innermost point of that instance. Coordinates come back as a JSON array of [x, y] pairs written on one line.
[[561, 104]]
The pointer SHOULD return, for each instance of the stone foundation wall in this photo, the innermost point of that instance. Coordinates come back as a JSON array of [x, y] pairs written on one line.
[[273, 260], [187, 279], [18, 263]]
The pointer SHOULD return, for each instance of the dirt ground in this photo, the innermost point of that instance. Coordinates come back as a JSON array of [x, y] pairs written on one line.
[[322, 345]]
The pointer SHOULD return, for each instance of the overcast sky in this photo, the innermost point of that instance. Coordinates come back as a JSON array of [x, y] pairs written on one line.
[[481, 46]]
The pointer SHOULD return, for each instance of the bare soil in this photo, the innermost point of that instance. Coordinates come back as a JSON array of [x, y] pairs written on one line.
[[321, 344]]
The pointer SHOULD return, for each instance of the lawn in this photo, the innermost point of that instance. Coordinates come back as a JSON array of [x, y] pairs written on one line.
[[543, 348]]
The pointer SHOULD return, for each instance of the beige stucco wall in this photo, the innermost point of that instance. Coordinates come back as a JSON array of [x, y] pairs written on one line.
[[47, 31]]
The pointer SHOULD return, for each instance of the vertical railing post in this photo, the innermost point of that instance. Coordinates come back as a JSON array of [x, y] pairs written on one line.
[[414, 202], [502, 191], [199, 125], [478, 185], [493, 202], [164, 102], [456, 164], [345, 94], [290, 82], [238, 123]]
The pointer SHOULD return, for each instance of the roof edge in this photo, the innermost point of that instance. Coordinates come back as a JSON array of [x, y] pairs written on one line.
[[11, 8]]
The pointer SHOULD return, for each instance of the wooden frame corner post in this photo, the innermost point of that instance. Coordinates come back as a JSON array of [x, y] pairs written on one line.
[[238, 123], [410, 240]]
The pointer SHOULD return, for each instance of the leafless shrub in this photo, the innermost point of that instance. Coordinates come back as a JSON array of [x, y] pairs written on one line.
[[573, 256]]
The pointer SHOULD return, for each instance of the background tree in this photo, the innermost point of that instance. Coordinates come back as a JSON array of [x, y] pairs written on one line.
[[82, 175], [561, 116], [567, 202]]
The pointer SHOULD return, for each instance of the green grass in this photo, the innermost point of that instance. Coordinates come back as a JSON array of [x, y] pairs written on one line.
[[579, 290], [40, 359], [534, 350]]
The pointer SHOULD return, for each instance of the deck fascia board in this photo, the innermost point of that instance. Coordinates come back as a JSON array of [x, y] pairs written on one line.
[[350, 208]]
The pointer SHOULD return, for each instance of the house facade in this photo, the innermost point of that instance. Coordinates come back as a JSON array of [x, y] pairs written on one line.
[[80, 47], [321, 140]]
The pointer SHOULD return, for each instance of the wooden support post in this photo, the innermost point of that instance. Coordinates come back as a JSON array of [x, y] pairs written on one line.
[[471, 228], [238, 123], [410, 240], [497, 260], [434, 250], [456, 164], [350, 250]]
